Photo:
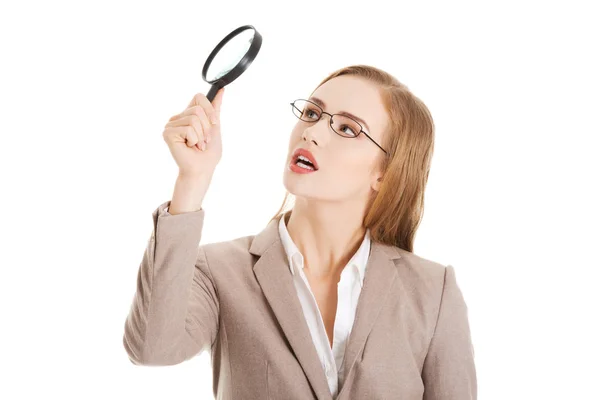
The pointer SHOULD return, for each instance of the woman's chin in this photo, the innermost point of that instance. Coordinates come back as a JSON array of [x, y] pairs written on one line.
[[296, 186]]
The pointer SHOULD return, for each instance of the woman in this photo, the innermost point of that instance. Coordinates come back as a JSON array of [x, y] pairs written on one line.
[[328, 301]]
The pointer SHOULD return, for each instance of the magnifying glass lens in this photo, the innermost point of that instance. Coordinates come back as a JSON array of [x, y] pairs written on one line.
[[230, 58], [230, 55]]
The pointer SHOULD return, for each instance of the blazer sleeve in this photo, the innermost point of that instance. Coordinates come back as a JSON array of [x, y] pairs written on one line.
[[175, 310], [449, 368]]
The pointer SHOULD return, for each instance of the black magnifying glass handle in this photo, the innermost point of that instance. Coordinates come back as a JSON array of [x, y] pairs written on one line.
[[214, 88]]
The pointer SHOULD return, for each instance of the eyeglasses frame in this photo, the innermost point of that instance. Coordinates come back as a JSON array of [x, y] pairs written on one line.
[[331, 122]]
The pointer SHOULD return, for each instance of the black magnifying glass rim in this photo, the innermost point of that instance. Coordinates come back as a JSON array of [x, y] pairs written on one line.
[[242, 64]]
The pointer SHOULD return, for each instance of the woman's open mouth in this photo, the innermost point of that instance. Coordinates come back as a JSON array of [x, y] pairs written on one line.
[[302, 165], [302, 162]]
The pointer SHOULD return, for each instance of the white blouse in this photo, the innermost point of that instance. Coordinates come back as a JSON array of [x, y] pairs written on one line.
[[349, 288]]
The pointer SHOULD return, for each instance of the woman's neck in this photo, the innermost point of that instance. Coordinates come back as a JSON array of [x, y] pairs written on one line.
[[326, 235]]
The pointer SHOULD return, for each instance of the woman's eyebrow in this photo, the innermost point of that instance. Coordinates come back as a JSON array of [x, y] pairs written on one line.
[[322, 104]]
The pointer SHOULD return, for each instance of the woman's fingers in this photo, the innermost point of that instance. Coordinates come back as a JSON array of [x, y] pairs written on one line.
[[195, 116], [201, 100]]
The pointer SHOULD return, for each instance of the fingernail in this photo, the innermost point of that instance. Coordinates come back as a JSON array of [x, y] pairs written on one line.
[[213, 120], [203, 146], [208, 139]]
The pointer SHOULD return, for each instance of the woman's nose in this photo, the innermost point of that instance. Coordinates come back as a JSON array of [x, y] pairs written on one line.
[[308, 136], [315, 133]]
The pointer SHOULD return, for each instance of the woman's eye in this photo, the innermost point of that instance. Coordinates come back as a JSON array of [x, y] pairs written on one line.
[[311, 114], [344, 127]]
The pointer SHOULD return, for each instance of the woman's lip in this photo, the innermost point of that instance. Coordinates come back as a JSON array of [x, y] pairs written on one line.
[[306, 153]]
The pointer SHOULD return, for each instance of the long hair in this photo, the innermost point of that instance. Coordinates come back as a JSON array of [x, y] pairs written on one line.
[[395, 211]]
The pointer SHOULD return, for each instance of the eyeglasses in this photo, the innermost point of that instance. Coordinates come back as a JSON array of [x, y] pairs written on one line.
[[343, 125]]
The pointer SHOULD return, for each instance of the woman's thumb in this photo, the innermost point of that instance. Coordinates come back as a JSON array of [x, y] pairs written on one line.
[[218, 100]]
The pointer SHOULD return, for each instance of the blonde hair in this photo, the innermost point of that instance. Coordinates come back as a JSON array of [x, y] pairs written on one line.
[[395, 211]]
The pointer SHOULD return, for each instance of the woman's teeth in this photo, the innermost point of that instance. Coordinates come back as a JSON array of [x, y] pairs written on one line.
[[304, 163], [301, 164]]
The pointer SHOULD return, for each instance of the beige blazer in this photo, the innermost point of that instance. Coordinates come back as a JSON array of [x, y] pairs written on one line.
[[410, 339]]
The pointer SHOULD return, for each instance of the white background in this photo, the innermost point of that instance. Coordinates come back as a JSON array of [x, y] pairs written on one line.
[[512, 201]]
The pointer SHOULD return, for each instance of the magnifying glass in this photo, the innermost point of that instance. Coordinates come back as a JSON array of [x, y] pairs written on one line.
[[230, 58]]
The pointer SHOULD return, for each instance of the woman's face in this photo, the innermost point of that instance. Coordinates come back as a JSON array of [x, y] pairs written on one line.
[[346, 166]]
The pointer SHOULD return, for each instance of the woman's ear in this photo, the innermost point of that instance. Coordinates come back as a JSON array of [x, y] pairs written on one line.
[[375, 186]]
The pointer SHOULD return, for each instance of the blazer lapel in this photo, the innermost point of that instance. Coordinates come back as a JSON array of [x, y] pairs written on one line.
[[379, 277], [273, 275]]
